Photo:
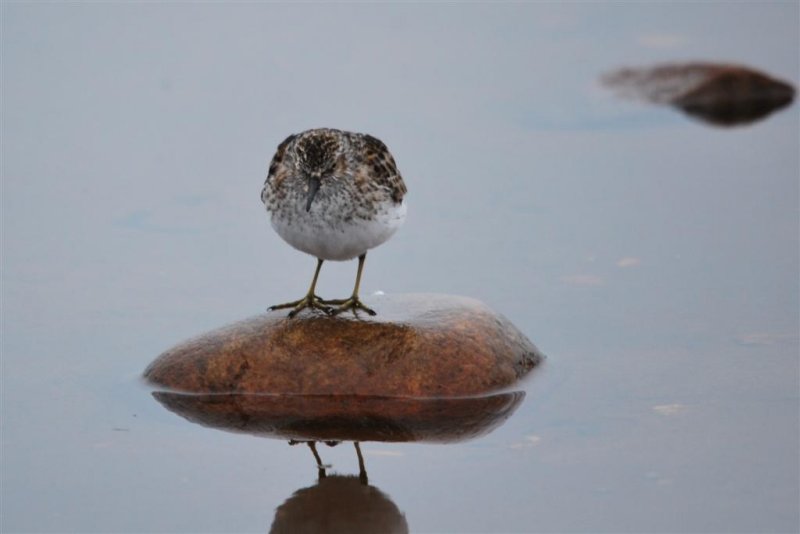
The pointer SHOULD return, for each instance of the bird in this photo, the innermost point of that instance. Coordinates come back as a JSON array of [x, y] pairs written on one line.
[[334, 195]]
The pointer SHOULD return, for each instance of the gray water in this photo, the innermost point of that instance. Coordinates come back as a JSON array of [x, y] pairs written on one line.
[[653, 258]]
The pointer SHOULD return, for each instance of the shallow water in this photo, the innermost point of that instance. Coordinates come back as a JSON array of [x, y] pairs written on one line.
[[653, 258]]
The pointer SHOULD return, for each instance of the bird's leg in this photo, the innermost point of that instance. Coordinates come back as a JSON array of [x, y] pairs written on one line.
[[309, 301], [353, 303]]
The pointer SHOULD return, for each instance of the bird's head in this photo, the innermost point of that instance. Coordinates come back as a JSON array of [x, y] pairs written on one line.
[[316, 153]]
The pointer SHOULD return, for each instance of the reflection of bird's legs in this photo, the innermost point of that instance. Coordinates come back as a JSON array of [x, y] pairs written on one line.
[[313, 446], [320, 467], [362, 471]]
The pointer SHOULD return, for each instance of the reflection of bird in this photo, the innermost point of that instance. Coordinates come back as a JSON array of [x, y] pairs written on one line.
[[334, 195], [338, 503]]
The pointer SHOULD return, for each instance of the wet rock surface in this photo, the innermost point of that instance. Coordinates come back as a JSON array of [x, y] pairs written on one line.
[[417, 346]]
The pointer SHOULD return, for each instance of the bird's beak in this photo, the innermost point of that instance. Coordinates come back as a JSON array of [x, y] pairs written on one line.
[[313, 187]]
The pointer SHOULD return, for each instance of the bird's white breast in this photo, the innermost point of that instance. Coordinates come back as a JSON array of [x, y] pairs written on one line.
[[323, 234]]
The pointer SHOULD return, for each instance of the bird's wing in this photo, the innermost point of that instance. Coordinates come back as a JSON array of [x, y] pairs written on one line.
[[277, 165], [378, 164]]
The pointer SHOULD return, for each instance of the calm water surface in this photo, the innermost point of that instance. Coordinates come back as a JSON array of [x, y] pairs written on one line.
[[653, 258]]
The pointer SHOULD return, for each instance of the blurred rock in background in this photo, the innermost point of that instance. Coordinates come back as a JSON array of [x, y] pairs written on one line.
[[718, 94]]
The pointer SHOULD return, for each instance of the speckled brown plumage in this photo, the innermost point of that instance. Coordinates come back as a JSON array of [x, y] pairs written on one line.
[[362, 158]]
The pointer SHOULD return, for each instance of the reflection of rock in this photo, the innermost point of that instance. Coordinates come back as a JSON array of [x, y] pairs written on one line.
[[417, 346], [339, 504], [723, 95], [352, 418]]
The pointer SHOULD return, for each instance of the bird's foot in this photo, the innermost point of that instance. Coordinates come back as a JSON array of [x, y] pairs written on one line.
[[333, 302], [353, 303], [309, 301]]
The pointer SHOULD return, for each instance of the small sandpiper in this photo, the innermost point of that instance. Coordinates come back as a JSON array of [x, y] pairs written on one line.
[[334, 195]]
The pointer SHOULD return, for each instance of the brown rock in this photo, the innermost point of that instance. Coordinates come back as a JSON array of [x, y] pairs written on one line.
[[719, 94], [417, 346], [735, 96]]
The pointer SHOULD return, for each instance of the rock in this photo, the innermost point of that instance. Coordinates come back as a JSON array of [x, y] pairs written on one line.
[[346, 417], [417, 346], [735, 96], [719, 94]]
